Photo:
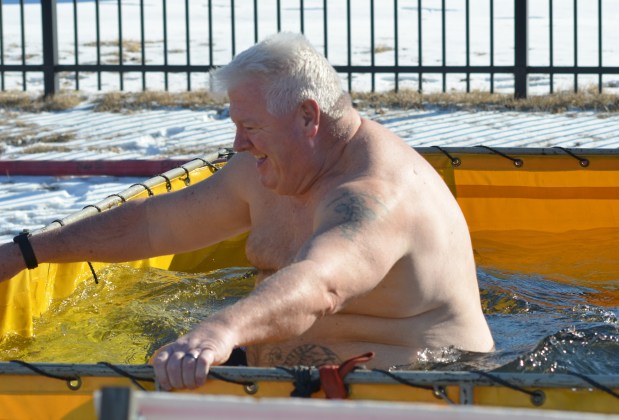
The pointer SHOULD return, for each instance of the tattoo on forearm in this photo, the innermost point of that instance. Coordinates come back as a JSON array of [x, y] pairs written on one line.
[[305, 355], [353, 210]]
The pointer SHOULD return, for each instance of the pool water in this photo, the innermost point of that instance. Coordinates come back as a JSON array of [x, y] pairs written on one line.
[[539, 324]]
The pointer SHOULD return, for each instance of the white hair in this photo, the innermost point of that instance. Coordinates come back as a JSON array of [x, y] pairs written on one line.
[[289, 70]]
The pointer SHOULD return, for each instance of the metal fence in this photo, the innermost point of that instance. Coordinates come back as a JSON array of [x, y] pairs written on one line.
[[426, 45]]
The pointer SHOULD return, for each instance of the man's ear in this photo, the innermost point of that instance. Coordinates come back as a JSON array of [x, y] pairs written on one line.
[[310, 113]]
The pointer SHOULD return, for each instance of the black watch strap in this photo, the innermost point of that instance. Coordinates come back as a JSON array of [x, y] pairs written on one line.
[[26, 249]]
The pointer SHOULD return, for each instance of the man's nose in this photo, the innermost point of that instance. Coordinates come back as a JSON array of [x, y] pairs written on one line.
[[241, 142]]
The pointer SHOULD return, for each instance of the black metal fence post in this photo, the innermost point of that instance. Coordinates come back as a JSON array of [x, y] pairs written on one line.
[[521, 48], [50, 46]]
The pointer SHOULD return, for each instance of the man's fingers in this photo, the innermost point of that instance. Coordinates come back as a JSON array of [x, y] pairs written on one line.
[[174, 368], [177, 369], [203, 365], [188, 365], [168, 368], [159, 364], [186, 362]]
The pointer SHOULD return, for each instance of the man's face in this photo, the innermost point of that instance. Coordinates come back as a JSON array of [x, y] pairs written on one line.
[[277, 143]]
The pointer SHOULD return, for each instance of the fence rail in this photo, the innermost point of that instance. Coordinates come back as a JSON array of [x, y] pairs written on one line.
[[390, 44]]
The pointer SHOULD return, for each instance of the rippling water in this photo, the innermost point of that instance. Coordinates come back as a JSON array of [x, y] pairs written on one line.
[[127, 316], [539, 324]]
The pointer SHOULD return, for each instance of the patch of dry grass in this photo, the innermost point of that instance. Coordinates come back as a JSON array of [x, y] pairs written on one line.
[[26, 102], [21, 139], [381, 48], [190, 150], [587, 100], [126, 102], [57, 137], [45, 148], [129, 45]]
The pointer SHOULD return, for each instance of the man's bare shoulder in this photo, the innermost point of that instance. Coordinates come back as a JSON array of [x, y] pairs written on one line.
[[240, 164], [239, 174]]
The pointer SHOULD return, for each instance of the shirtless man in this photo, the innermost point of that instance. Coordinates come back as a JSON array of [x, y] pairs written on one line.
[[359, 244]]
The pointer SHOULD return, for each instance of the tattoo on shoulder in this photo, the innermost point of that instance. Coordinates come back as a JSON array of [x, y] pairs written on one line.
[[305, 355], [353, 210]]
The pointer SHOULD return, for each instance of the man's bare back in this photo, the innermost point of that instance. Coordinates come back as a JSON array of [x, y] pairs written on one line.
[[420, 303]]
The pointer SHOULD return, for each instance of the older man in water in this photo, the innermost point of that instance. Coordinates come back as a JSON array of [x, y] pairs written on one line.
[[359, 244]]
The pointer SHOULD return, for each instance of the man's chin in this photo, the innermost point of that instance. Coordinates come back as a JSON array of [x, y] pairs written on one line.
[[277, 188], [269, 184]]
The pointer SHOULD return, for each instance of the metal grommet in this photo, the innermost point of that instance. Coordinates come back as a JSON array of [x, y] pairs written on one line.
[[518, 163], [538, 397], [251, 388], [455, 161], [583, 162], [441, 393], [74, 384]]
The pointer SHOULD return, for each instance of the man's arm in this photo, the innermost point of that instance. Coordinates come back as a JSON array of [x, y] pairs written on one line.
[[191, 218], [348, 255]]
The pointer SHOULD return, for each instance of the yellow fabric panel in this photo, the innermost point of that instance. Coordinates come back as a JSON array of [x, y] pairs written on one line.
[[33, 406], [543, 215], [548, 193], [395, 392], [594, 401], [37, 397]]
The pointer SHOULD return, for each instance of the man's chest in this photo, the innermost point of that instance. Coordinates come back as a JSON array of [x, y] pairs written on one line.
[[280, 227]]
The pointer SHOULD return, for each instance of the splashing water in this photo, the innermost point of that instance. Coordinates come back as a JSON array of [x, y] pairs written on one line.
[[541, 325]]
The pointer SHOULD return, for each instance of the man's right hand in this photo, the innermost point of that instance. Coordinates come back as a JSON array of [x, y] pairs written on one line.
[[186, 362]]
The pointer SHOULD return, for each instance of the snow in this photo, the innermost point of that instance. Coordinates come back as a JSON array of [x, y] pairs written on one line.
[[32, 202]]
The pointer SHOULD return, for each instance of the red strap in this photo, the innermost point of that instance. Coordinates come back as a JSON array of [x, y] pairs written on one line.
[[332, 376]]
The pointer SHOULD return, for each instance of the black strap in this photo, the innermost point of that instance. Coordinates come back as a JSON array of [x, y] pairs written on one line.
[[131, 377], [304, 385], [26, 249]]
